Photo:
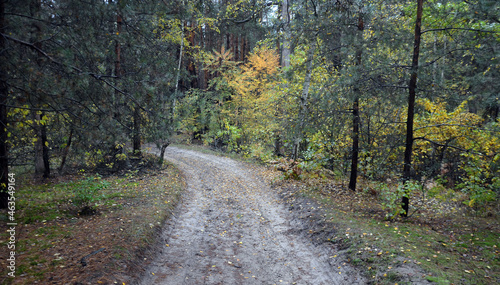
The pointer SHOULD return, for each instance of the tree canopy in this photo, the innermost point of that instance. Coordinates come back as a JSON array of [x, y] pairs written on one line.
[[325, 83]]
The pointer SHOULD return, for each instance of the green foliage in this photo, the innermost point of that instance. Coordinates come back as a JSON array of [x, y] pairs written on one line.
[[476, 186], [391, 197], [88, 191], [260, 152], [96, 90], [230, 136]]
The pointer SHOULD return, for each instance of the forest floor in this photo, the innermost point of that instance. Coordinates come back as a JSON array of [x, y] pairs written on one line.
[[57, 244], [240, 223]]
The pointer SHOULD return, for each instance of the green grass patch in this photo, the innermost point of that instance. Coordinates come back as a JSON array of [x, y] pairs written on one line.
[[452, 254], [129, 211]]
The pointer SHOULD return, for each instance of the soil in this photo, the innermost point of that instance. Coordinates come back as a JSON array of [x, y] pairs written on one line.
[[232, 228]]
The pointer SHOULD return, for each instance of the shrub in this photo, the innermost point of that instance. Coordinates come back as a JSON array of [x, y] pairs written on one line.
[[87, 194], [391, 198]]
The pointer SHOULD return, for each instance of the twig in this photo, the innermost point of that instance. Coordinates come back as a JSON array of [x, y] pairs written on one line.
[[83, 260]]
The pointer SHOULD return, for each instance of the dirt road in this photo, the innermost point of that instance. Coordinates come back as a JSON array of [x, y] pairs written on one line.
[[232, 229]]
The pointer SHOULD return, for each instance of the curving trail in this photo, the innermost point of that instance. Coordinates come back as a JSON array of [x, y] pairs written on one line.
[[232, 229]]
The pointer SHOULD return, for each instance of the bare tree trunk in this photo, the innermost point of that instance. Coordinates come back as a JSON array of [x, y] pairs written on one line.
[[232, 47], [118, 68], [179, 65], [304, 100], [65, 152], [355, 111], [191, 65], [236, 47], [286, 49], [38, 144], [45, 151], [136, 139], [4, 93], [412, 86], [244, 48], [162, 146], [355, 144], [42, 163]]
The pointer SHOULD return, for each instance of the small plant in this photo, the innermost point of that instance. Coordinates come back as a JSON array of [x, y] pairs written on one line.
[[131, 174], [478, 195], [88, 193], [478, 186], [121, 157], [391, 198], [290, 168]]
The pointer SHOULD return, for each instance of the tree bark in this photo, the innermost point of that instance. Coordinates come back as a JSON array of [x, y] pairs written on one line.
[[38, 144], [355, 144], [136, 140], [118, 59], [162, 146], [286, 48], [42, 163], [65, 152], [236, 47], [191, 65], [179, 65], [4, 93], [355, 111], [304, 100], [412, 86], [45, 150], [243, 48]]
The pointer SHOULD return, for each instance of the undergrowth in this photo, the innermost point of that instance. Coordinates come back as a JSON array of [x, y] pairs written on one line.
[[54, 235], [450, 246]]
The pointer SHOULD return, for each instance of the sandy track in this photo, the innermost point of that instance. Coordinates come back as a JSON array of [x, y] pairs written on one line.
[[232, 229]]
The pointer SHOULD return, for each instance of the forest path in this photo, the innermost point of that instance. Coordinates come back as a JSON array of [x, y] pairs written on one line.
[[231, 228]]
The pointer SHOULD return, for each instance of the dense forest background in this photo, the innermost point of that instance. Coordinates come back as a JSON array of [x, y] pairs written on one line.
[[386, 90]]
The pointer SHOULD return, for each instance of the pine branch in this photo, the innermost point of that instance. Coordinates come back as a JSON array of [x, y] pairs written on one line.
[[460, 29]]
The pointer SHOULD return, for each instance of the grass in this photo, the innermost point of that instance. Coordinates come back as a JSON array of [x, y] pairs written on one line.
[[53, 236], [449, 250]]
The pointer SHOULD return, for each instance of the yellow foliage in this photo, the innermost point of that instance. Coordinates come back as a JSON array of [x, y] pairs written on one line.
[[255, 74], [254, 102], [436, 124]]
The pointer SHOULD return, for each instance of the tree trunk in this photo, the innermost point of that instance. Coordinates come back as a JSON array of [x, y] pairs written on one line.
[[355, 111], [355, 144], [304, 99], [118, 59], [38, 145], [162, 146], [45, 150], [277, 145], [4, 93], [412, 86], [181, 50], [136, 140], [287, 35], [42, 163], [233, 47], [242, 53], [65, 152], [236, 47], [191, 65]]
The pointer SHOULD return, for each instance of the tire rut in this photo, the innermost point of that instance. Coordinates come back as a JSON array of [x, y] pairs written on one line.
[[231, 228]]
